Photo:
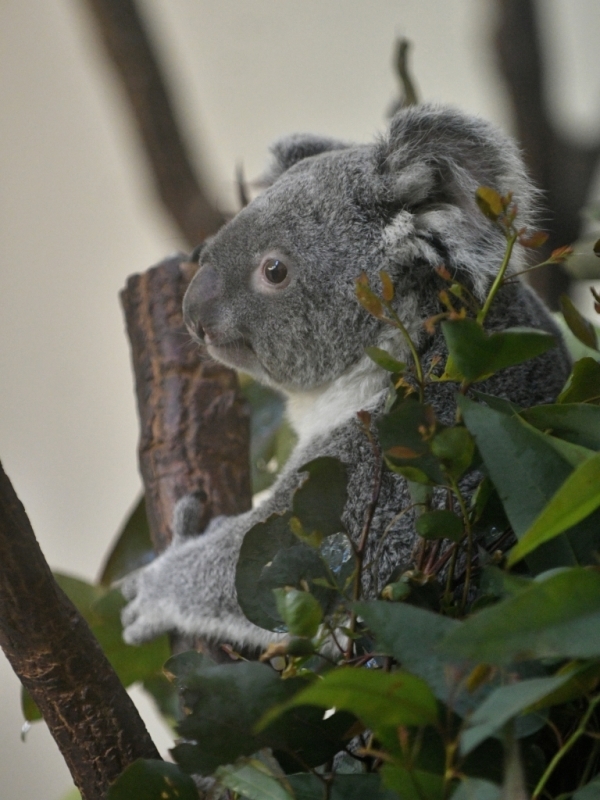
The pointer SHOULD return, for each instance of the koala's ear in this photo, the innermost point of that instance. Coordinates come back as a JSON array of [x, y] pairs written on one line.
[[440, 155], [288, 151]]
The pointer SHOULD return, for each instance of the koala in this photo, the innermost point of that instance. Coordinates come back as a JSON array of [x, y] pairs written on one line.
[[274, 297]]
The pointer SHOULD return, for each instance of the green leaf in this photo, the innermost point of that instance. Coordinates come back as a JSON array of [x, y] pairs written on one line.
[[455, 448], [527, 469], [344, 787], [476, 789], [367, 298], [553, 617], [475, 354], [379, 699], [260, 545], [576, 499], [405, 436], [502, 705], [251, 780], [225, 702], [578, 423], [269, 433], [300, 611], [29, 707], [133, 548], [489, 202], [319, 503], [412, 636], [413, 784], [583, 385], [146, 779], [440, 525], [590, 791], [578, 324], [384, 360]]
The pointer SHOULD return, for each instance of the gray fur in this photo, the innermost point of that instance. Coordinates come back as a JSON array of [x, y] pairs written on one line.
[[405, 205]]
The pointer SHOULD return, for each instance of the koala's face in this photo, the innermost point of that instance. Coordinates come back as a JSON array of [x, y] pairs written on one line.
[[274, 295]]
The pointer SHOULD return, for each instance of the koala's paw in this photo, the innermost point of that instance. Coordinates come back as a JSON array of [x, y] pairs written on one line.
[[190, 516], [149, 612]]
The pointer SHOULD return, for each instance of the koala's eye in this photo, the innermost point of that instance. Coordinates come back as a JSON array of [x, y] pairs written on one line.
[[275, 271]]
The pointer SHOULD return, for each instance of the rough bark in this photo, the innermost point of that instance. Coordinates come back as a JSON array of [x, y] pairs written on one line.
[[56, 657], [179, 185], [194, 422], [561, 167]]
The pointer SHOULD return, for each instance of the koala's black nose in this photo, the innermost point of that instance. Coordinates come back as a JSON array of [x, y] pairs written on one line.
[[201, 302]]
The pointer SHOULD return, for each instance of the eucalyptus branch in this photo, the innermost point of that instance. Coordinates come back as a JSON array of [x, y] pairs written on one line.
[[397, 322], [511, 241]]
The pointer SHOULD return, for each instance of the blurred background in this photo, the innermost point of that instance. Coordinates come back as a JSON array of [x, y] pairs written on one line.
[[81, 209]]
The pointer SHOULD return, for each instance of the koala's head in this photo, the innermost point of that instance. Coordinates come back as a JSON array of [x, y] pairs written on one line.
[[274, 295]]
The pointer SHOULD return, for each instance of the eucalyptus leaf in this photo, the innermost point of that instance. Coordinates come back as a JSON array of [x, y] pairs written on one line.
[[380, 699], [384, 360], [299, 610], [319, 503], [147, 779], [527, 469], [583, 385], [414, 784], [251, 780], [343, 787], [504, 704], [405, 437], [260, 545], [554, 617], [440, 524], [578, 324], [576, 499], [225, 702], [578, 423], [475, 354], [412, 636], [476, 789], [590, 791]]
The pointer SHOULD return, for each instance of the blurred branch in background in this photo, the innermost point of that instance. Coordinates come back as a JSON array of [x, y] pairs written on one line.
[[561, 167], [181, 188]]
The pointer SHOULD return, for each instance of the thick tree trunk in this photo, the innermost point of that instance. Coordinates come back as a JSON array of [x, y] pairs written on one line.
[[60, 663]]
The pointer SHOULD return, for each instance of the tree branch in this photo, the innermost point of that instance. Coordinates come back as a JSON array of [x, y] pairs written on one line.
[[562, 168], [58, 660], [179, 187]]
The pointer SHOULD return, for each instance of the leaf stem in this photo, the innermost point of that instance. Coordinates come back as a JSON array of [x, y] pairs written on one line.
[[469, 532], [510, 243], [413, 350], [578, 733]]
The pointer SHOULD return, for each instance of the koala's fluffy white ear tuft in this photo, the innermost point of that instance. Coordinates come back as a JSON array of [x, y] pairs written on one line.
[[290, 149]]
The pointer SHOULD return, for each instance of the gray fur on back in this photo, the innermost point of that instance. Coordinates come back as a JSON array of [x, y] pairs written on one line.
[[406, 205]]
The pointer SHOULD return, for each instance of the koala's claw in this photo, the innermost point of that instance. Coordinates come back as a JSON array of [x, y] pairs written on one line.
[[188, 516]]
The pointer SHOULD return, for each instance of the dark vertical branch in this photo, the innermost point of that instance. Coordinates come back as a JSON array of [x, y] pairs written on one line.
[[58, 660], [562, 168], [180, 189], [194, 423]]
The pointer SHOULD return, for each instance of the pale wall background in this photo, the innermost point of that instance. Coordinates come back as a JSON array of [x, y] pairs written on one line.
[[79, 215]]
